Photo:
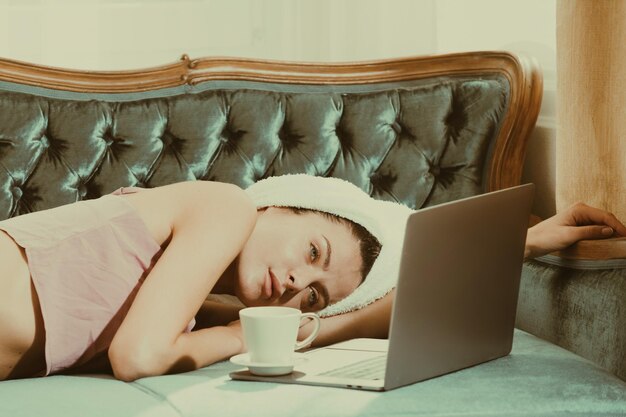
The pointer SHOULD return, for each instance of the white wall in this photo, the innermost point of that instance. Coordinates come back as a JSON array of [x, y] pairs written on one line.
[[116, 34], [524, 26], [126, 34], [119, 34]]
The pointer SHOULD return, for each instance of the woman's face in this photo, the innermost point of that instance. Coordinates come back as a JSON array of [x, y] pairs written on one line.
[[306, 261]]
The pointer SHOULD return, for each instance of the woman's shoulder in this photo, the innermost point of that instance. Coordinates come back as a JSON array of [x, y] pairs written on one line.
[[168, 207], [189, 195], [204, 195]]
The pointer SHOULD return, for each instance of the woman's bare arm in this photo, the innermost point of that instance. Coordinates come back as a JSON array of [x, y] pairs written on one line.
[[210, 222], [371, 321]]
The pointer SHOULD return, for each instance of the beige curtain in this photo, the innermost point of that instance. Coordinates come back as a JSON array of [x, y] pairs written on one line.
[[591, 106]]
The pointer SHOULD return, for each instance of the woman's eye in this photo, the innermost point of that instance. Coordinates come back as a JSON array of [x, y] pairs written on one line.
[[313, 297], [314, 252]]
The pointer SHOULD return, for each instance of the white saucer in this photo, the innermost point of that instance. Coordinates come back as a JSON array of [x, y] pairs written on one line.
[[268, 369]]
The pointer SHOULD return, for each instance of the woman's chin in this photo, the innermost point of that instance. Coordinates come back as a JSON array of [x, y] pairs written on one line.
[[250, 301], [250, 294]]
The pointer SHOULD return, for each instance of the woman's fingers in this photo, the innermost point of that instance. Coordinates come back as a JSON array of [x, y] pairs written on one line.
[[587, 215], [590, 232]]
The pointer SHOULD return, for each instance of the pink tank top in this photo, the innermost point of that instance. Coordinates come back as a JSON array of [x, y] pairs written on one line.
[[87, 261]]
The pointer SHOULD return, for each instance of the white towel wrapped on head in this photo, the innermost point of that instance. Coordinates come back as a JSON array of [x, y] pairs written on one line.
[[383, 219]]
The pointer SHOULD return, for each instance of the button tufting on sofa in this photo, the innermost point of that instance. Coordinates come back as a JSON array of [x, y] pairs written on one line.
[[167, 139], [231, 135], [435, 170], [108, 140], [396, 126], [17, 193], [456, 119], [44, 142], [81, 189], [289, 139], [344, 136], [382, 183]]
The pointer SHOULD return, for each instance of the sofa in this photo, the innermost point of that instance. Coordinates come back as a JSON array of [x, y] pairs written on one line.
[[418, 130]]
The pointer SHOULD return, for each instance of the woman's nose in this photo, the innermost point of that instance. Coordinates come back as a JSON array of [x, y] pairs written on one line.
[[298, 279], [290, 284], [282, 282]]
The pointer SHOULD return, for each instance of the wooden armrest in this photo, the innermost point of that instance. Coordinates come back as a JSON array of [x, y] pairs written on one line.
[[614, 248]]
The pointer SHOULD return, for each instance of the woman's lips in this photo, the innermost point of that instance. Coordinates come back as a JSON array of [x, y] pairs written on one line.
[[267, 285], [272, 288], [277, 286]]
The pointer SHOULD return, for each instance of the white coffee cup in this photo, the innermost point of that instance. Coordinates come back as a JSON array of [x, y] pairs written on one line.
[[270, 333]]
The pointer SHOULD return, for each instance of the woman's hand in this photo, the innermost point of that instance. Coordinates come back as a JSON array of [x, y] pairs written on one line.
[[578, 222]]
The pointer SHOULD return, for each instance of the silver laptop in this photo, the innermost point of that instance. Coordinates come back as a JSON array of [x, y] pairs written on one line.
[[455, 300]]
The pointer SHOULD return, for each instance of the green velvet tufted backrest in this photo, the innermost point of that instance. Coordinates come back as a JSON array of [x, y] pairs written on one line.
[[421, 138]]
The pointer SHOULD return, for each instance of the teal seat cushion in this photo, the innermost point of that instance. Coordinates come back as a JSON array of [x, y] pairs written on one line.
[[85, 396], [537, 379]]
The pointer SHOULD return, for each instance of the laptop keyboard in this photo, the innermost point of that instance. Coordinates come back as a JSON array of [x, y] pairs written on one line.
[[372, 368]]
